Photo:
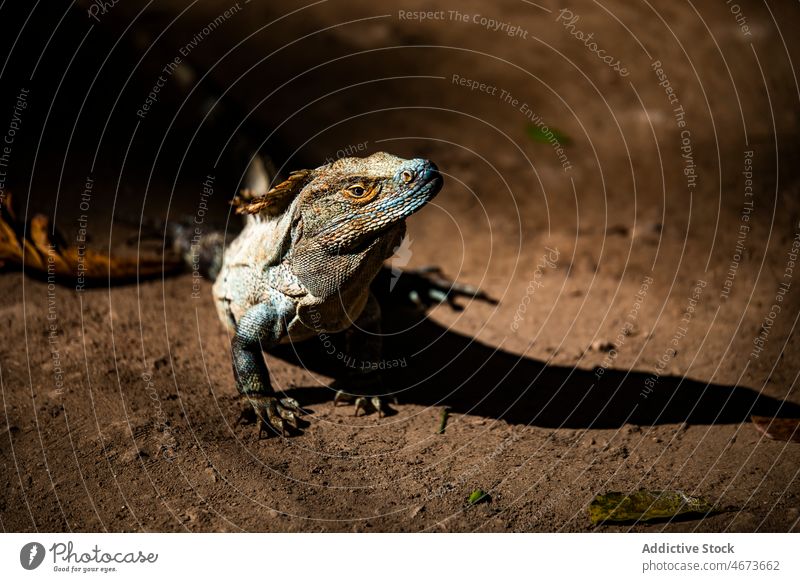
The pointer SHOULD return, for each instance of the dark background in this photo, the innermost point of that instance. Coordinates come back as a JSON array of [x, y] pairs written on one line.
[[530, 423]]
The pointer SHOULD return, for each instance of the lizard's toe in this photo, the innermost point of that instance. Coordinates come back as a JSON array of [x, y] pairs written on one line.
[[361, 404], [342, 397], [380, 405]]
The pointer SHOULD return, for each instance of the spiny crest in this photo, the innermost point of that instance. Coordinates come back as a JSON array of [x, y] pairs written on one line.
[[379, 165], [277, 200]]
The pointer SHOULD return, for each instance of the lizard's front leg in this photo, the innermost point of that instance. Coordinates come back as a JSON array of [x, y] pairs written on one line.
[[261, 328], [362, 381]]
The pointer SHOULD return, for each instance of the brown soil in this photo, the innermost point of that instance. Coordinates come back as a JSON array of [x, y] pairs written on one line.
[[142, 437]]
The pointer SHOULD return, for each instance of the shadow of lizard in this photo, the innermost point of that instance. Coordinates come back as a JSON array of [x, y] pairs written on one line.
[[431, 365]]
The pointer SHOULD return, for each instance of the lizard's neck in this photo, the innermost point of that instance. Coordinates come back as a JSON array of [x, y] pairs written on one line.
[[326, 273]]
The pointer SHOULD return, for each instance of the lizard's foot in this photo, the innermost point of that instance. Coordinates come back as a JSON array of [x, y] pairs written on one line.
[[367, 404], [273, 414]]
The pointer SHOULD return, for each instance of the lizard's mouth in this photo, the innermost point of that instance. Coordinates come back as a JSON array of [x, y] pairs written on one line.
[[432, 183]]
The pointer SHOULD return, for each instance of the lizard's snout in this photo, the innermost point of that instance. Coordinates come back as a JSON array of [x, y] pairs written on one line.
[[419, 172]]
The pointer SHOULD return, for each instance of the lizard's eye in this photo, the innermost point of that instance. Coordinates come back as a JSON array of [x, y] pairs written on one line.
[[360, 194], [356, 191]]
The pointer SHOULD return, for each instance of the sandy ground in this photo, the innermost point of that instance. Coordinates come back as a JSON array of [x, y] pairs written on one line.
[[620, 354]]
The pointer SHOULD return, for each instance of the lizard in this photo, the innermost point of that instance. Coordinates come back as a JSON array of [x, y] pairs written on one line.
[[303, 265]]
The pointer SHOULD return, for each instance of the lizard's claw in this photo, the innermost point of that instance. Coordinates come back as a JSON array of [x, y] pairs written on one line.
[[342, 397], [272, 414], [376, 402]]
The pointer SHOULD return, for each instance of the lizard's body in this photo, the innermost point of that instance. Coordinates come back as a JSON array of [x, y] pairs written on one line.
[[254, 272]]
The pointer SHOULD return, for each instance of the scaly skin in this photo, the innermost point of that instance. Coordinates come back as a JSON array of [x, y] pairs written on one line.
[[303, 265]]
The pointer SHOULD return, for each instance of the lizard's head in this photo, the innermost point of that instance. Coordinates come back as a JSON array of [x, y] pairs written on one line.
[[346, 215], [353, 200]]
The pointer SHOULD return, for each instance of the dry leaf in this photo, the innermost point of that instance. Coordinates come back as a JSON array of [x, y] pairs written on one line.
[[779, 429], [644, 505]]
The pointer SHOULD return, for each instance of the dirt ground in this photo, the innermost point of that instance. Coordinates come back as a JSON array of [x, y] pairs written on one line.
[[637, 265]]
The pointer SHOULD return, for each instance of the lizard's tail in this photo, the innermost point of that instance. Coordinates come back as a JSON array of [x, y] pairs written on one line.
[[40, 251], [202, 252]]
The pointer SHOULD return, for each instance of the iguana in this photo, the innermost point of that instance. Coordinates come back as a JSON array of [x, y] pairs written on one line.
[[301, 267]]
